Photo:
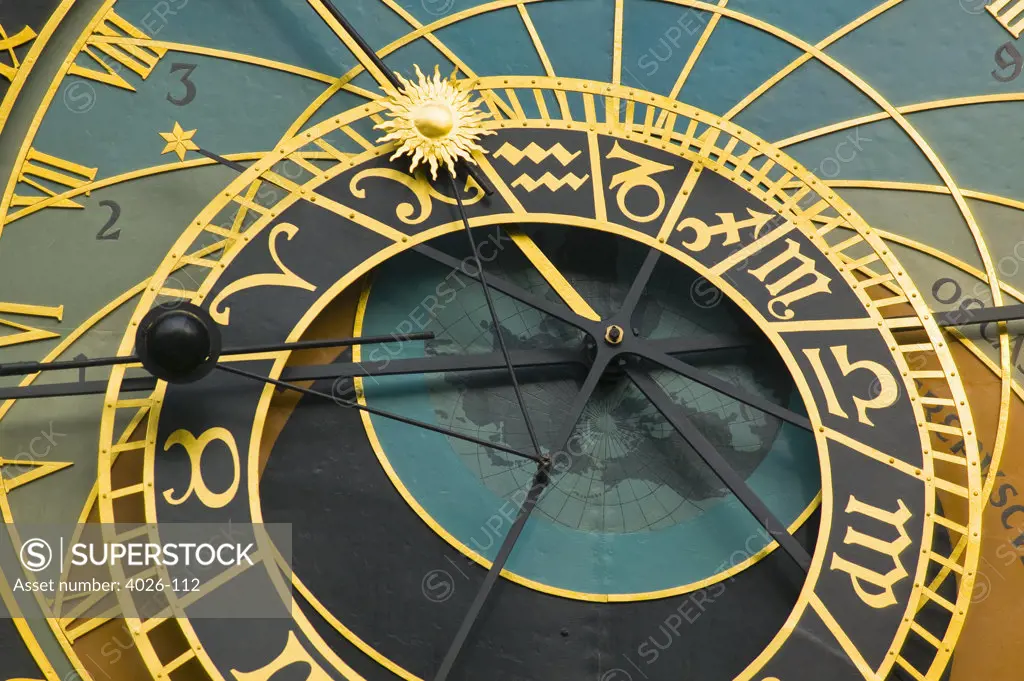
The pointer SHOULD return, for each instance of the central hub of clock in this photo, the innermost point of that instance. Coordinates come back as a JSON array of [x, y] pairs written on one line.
[[614, 334]]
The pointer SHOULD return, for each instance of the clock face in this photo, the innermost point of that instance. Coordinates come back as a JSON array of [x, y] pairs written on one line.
[[680, 336]]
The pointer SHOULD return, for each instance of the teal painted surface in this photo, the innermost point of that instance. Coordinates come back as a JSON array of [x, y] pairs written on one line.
[[120, 132], [289, 31], [991, 133], [811, 97], [403, 61], [726, 71], [578, 36], [497, 41], [718, 534], [657, 39], [810, 20], [922, 50], [885, 153]]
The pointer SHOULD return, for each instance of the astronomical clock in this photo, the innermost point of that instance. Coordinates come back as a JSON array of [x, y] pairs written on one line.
[[549, 340]]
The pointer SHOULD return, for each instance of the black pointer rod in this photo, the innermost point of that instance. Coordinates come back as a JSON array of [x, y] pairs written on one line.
[[974, 315], [414, 365], [711, 456], [26, 368], [540, 481], [709, 380], [332, 343], [368, 51], [237, 167], [378, 412], [494, 317], [371, 54], [43, 390], [980, 315], [636, 290]]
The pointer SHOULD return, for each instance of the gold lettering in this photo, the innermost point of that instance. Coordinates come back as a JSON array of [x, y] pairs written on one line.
[[25, 35], [702, 233], [111, 38], [293, 653], [861, 576], [884, 384], [421, 188], [196, 447], [1009, 16], [285, 278], [641, 176], [40, 167], [28, 334], [784, 289]]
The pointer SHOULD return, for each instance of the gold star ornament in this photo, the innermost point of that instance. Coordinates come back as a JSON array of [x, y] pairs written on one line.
[[179, 141], [434, 121]]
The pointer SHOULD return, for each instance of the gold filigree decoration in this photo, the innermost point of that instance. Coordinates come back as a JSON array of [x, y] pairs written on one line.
[[422, 190], [434, 121]]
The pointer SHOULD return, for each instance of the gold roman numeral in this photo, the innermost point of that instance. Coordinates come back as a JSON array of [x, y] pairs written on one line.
[[8, 43], [109, 38], [40, 168], [28, 334], [1009, 16], [882, 595], [34, 470]]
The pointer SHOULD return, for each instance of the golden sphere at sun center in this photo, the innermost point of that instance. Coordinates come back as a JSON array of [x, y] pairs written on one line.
[[434, 120]]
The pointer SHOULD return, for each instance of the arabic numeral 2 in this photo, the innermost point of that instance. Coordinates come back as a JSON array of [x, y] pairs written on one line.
[[105, 233]]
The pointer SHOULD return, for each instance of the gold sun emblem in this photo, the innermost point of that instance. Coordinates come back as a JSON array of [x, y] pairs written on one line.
[[434, 121]]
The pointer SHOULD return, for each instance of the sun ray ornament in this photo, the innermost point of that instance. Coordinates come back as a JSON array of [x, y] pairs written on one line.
[[434, 121]]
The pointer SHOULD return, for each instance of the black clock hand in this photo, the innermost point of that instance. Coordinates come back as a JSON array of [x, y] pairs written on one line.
[[707, 452], [471, 362], [26, 368], [313, 372], [378, 412], [495, 322], [565, 359], [718, 385], [39, 391], [541, 480], [636, 289], [978, 315]]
